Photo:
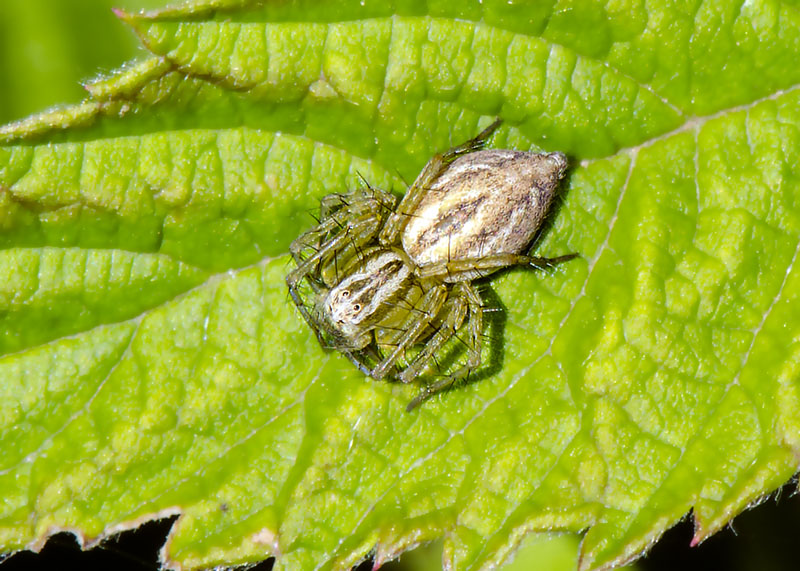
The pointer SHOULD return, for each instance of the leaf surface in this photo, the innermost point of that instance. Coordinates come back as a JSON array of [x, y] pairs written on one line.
[[153, 363]]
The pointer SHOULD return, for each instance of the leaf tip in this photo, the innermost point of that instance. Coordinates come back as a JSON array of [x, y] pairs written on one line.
[[698, 537], [122, 14], [268, 537]]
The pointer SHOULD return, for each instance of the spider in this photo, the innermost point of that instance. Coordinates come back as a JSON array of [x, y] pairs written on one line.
[[386, 277]]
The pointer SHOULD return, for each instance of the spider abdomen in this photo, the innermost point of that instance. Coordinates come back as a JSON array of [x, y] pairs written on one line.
[[484, 203]]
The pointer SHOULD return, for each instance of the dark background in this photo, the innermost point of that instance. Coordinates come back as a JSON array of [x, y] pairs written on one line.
[[763, 538]]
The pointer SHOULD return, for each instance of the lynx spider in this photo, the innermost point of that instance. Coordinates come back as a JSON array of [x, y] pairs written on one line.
[[388, 276]]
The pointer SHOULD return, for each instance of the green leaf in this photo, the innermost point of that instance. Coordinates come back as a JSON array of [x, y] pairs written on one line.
[[153, 363]]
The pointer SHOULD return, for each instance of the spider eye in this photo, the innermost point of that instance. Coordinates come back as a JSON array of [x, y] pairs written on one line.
[[345, 293], [356, 307]]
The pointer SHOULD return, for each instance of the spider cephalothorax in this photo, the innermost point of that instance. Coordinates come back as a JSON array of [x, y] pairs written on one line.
[[388, 277]]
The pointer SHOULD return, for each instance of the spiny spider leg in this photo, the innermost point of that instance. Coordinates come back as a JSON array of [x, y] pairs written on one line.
[[386, 199], [359, 208], [331, 220], [464, 294], [331, 203], [430, 304], [367, 194], [361, 229], [489, 263], [454, 312], [417, 191], [377, 202], [311, 238], [361, 359]]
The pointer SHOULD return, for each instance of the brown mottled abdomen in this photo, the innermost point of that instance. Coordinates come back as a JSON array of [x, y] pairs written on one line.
[[487, 202]]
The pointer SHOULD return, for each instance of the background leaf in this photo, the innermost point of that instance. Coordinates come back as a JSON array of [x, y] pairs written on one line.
[[47, 48], [153, 364]]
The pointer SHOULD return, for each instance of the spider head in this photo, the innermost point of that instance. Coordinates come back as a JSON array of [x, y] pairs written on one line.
[[345, 318], [363, 298]]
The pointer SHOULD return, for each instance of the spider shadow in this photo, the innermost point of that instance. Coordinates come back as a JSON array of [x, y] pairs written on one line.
[[494, 327]]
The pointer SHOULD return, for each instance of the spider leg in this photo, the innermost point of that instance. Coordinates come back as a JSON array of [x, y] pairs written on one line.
[[311, 238], [387, 200], [430, 305], [454, 312], [331, 203], [420, 187], [301, 307], [337, 212], [464, 296], [354, 202], [360, 229], [360, 360], [489, 264]]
